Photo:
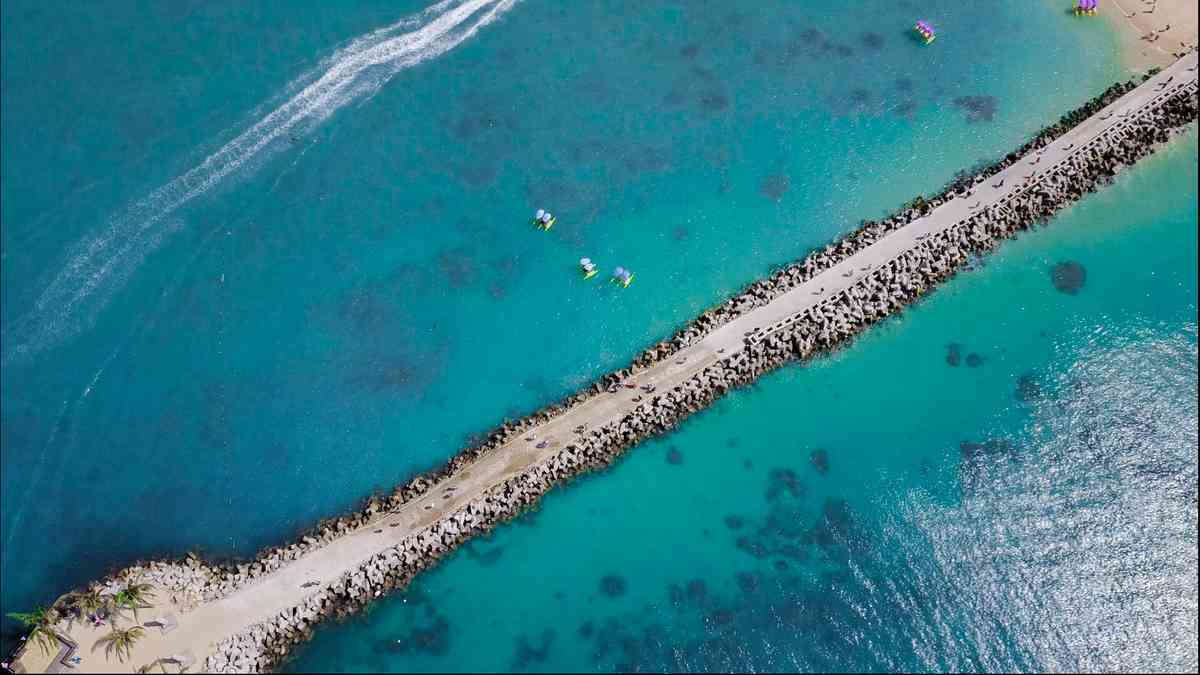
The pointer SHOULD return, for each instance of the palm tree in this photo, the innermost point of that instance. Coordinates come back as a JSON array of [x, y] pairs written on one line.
[[121, 641], [91, 600], [40, 623], [134, 597], [156, 663]]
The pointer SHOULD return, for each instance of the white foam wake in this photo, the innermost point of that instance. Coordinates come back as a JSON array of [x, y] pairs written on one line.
[[100, 265]]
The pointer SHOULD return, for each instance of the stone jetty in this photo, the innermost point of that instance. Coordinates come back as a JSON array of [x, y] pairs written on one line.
[[246, 617]]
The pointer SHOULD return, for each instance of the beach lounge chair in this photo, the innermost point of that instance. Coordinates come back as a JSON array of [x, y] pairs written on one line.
[[184, 660], [165, 623]]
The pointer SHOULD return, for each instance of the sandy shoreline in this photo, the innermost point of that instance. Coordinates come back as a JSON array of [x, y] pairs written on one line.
[[1152, 32]]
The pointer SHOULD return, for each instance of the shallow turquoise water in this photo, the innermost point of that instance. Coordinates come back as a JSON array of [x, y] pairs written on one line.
[[957, 524], [329, 315]]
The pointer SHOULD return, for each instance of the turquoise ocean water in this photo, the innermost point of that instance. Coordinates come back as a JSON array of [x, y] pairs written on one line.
[[1034, 511], [342, 288]]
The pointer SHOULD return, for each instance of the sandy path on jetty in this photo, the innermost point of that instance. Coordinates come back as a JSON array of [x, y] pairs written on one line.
[[201, 629], [1172, 25]]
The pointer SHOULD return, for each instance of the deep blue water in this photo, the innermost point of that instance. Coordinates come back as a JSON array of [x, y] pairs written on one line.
[[257, 262]]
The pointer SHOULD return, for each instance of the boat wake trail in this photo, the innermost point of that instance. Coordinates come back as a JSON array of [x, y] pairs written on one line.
[[97, 267]]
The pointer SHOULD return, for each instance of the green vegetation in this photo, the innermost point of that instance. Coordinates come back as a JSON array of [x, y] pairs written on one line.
[[134, 597], [120, 641], [40, 623], [90, 601]]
